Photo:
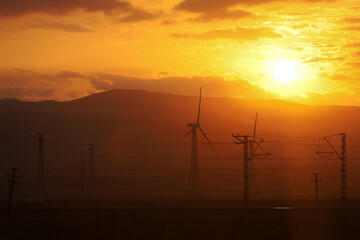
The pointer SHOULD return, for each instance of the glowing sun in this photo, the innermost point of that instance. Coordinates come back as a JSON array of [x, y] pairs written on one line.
[[284, 70]]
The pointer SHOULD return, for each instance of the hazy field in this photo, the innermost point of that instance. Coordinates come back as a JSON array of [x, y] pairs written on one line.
[[266, 223]]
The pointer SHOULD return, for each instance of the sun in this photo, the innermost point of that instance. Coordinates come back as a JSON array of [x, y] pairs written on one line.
[[284, 70]]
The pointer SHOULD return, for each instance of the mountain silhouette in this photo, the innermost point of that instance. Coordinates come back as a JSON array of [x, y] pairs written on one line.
[[139, 135]]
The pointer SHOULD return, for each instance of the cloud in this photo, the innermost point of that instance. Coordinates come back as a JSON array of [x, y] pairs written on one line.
[[222, 14], [66, 85], [201, 6], [168, 22], [323, 59], [215, 86], [139, 15], [238, 33], [353, 45], [334, 98], [33, 86], [130, 13], [353, 28], [352, 20], [353, 64], [55, 25], [21, 7]]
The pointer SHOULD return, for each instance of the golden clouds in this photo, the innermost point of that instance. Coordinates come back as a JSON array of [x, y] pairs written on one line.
[[239, 33], [231, 40]]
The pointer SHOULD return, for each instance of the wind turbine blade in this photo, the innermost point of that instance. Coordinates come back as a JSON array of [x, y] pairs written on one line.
[[207, 139], [198, 118], [188, 132], [51, 128], [254, 135]]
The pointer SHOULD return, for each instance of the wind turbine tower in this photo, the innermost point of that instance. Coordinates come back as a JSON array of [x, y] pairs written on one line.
[[41, 183], [92, 148], [194, 181]]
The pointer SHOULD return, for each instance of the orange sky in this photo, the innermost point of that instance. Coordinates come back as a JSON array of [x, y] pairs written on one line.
[[233, 48]]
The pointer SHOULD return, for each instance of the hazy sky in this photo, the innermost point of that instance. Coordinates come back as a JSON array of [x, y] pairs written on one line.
[[302, 50]]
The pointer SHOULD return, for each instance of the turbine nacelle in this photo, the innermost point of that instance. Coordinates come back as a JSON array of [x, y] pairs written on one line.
[[193, 125], [196, 125]]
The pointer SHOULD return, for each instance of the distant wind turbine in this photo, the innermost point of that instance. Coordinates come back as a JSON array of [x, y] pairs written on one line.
[[41, 191], [92, 148], [194, 182]]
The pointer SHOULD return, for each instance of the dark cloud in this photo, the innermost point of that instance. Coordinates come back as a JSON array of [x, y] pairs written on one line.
[[130, 13], [222, 14], [20, 7], [201, 6], [69, 74], [29, 85], [168, 22], [239, 33], [139, 15], [20, 92]]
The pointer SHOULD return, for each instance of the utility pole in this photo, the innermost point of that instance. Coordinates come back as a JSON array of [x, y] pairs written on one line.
[[12, 183], [247, 156], [342, 157], [316, 180]]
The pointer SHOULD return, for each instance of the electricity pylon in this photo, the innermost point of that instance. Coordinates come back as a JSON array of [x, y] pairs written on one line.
[[12, 182], [194, 181], [247, 157], [342, 157], [252, 164]]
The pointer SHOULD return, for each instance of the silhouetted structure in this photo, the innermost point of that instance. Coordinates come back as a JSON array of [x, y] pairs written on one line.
[[342, 157], [316, 180], [41, 183], [247, 157], [12, 183], [82, 177], [194, 181], [92, 148]]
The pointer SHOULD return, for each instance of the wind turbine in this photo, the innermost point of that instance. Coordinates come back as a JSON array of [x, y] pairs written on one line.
[[194, 182], [41, 190], [92, 148], [40, 181]]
